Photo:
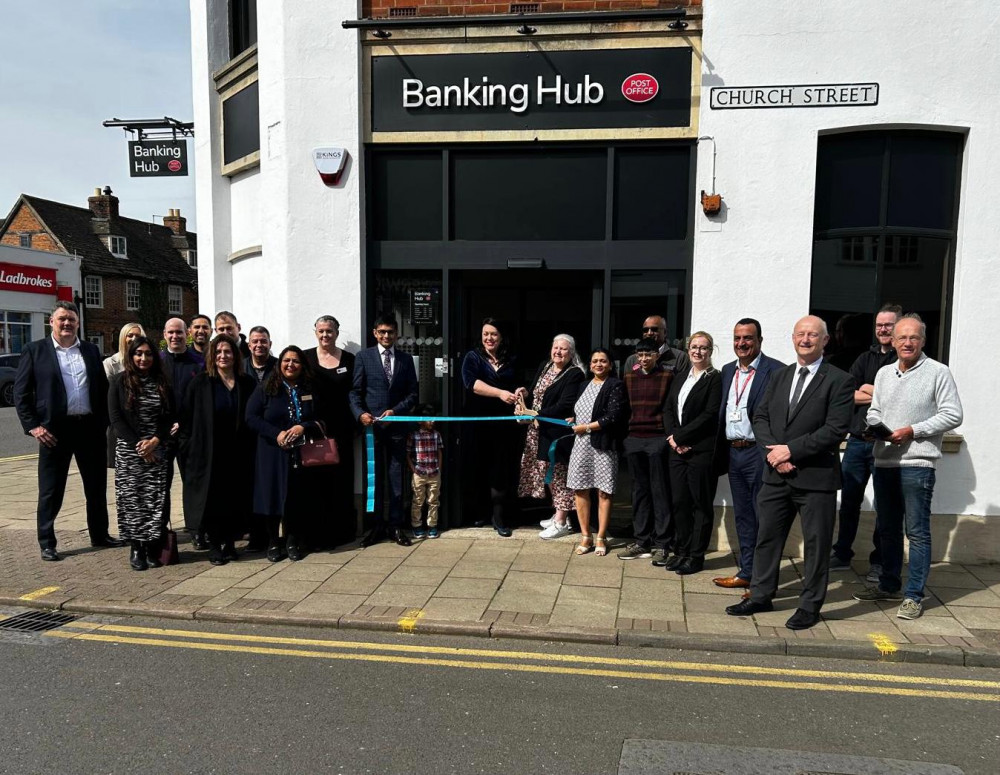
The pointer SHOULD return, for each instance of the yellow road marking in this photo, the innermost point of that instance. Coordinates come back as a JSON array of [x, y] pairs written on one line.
[[409, 622], [529, 656], [883, 643], [39, 593], [520, 668], [14, 458]]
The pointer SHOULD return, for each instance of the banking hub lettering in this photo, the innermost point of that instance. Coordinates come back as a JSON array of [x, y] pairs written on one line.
[[532, 90], [157, 158]]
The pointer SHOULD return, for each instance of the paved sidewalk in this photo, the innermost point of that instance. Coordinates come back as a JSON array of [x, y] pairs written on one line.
[[472, 582]]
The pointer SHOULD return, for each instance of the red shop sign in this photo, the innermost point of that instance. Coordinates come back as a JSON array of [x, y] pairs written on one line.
[[640, 87], [27, 279]]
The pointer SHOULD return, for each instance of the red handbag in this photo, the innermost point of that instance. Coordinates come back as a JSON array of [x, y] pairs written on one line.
[[319, 452]]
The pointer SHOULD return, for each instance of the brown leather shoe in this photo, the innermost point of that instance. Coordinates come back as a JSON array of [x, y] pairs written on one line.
[[730, 582]]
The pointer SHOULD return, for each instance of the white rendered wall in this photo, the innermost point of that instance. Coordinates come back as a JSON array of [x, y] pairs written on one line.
[[760, 254]]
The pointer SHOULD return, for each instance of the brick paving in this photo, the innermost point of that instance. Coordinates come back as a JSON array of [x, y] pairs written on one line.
[[473, 578]]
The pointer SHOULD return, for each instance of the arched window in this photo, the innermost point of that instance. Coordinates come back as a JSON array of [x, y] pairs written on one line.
[[884, 231]]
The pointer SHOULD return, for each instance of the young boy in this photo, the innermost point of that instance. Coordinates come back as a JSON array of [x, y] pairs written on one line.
[[646, 453], [424, 454]]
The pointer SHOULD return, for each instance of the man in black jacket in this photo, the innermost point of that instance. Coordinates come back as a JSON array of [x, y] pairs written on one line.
[[801, 421], [61, 395]]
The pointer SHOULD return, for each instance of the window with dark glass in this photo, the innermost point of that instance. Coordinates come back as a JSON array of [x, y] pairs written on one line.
[[242, 25], [407, 196], [884, 232], [240, 124]]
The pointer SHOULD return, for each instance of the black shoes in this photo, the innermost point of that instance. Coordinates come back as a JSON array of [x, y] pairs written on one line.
[[802, 620], [137, 557], [106, 541], [215, 556], [670, 563], [373, 536], [400, 537], [295, 553], [274, 553], [229, 551], [50, 555], [689, 566], [748, 607], [153, 555], [199, 542]]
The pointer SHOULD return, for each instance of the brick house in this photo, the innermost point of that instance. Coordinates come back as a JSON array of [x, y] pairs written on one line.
[[130, 269]]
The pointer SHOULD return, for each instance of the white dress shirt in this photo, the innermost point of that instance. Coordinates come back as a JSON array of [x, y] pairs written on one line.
[[813, 368], [73, 370], [741, 429], [686, 388]]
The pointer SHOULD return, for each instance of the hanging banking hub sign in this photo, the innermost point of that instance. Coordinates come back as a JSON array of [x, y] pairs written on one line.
[[157, 158], [532, 90]]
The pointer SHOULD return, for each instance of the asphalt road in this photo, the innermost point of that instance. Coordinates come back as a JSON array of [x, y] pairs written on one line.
[[187, 697], [13, 440]]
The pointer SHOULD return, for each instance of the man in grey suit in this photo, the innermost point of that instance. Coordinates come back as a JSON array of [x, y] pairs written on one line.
[[801, 421], [385, 383]]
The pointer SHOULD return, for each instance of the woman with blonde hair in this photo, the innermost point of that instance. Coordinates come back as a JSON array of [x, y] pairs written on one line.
[[691, 420], [115, 364]]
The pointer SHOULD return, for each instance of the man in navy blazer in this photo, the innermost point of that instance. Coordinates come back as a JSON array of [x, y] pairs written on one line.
[[743, 383], [385, 383], [801, 420], [61, 395]]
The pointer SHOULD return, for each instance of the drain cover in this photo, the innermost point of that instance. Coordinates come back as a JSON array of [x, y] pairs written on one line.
[[661, 757], [36, 621]]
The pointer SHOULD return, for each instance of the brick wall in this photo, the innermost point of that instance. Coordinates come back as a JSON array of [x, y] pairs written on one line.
[[109, 319], [381, 8], [25, 222]]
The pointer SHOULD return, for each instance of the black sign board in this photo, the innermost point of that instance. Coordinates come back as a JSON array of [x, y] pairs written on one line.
[[596, 89], [157, 158], [424, 306]]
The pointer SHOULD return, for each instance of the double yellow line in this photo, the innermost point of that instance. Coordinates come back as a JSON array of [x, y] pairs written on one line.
[[534, 662]]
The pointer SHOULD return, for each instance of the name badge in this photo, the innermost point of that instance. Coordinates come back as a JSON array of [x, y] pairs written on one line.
[[736, 415], [306, 398], [342, 370]]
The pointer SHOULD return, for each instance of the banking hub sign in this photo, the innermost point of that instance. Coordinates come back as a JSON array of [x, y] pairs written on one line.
[[157, 158], [592, 89]]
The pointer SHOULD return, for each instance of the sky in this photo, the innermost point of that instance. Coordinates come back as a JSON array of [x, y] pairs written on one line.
[[66, 66]]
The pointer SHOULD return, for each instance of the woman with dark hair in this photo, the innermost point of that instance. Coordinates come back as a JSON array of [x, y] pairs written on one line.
[[219, 449], [553, 393], [115, 364], [141, 411], [333, 370], [691, 420], [489, 375], [283, 411], [601, 416]]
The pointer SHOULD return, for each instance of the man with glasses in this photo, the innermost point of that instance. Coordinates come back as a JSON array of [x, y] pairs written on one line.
[[655, 327], [859, 459], [915, 402], [385, 383]]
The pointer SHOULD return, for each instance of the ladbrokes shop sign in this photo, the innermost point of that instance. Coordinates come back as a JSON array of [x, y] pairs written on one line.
[[592, 89]]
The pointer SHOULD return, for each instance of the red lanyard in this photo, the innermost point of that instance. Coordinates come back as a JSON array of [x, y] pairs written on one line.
[[736, 381]]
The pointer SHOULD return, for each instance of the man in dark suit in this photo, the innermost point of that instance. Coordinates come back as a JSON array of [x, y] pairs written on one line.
[[385, 383], [743, 384], [61, 395], [801, 421]]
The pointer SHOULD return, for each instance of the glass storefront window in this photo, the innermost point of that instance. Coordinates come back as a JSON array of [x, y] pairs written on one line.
[[15, 331], [637, 295]]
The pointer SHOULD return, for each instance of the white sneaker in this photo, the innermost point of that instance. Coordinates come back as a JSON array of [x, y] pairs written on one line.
[[555, 530], [547, 523], [910, 609]]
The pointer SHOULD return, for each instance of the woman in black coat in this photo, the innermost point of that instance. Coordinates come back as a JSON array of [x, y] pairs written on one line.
[[333, 371], [692, 422], [282, 411], [141, 412], [553, 394], [219, 449], [601, 418]]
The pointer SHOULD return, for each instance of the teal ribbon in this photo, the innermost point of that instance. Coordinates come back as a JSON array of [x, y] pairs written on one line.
[[370, 441]]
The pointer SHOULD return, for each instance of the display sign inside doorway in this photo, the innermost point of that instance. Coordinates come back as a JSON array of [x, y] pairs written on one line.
[[157, 158], [27, 279], [424, 306], [823, 95], [596, 89]]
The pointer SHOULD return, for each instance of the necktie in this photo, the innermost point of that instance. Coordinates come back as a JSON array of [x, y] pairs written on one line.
[[387, 364], [803, 373]]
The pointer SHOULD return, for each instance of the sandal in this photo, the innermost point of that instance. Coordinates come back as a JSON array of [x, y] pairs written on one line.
[[586, 545], [601, 548]]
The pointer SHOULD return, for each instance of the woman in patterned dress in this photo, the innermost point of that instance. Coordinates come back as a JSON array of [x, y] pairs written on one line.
[[601, 415], [115, 364], [554, 391], [141, 411]]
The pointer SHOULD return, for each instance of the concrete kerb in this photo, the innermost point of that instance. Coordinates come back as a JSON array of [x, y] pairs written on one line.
[[852, 650]]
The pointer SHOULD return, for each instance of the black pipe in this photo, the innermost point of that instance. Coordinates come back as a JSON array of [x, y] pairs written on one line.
[[561, 17]]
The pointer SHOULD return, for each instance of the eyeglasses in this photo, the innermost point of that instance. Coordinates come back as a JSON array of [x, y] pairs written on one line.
[[699, 348], [884, 325], [385, 332]]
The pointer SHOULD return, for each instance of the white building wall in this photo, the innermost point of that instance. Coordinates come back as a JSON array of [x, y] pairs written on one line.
[[760, 250]]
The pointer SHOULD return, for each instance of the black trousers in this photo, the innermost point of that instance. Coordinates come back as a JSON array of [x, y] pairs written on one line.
[[652, 520], [692, 486], [390, 462], [82, 438], [777, 505]]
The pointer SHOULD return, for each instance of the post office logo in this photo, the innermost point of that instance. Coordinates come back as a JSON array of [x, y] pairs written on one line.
[[641, 87]]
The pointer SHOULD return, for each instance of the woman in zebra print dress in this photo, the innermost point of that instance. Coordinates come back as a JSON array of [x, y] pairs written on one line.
[[141, 411]]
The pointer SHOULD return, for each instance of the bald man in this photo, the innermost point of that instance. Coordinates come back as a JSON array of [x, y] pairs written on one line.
[[801, 420]]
